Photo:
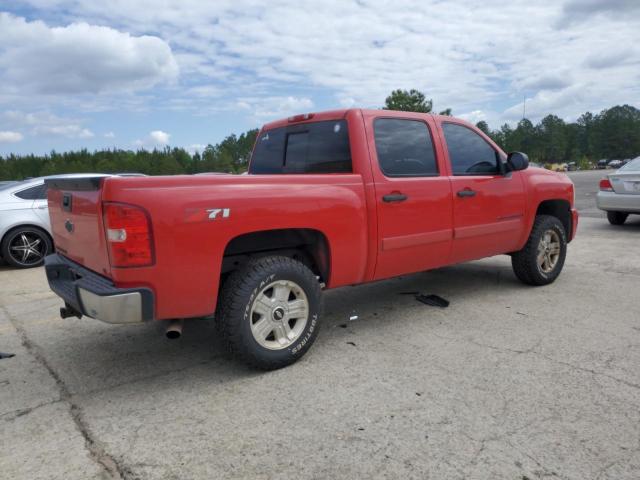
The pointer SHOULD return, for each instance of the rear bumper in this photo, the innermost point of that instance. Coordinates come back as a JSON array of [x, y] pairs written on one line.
[[618, 202], [92, 295]]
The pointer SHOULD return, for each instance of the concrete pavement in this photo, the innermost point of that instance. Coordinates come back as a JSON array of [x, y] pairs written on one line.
[[508, 382]]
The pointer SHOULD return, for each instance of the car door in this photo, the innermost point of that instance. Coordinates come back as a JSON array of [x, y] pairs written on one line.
[[413, 196], [488, 202]]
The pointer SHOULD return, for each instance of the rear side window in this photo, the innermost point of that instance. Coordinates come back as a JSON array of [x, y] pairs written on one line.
[[469, 153], [319, 147], [39, 192], [404, 148]]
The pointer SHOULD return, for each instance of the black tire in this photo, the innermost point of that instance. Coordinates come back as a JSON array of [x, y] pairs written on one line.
[[525, 262], [15, 239], [237, 298], [617, 218]]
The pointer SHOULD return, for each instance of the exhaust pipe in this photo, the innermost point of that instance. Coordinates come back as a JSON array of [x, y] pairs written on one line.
[[174, 329]]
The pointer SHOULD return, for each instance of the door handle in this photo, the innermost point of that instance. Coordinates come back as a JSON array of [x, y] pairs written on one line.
[[394, 197], [467, 192]]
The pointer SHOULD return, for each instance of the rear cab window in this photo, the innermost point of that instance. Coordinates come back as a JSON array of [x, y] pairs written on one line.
[[315, 147]]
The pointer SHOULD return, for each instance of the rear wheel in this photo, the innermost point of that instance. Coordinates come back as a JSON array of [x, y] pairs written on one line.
[[617, 218], [269, 311], [26, 247], [542, 258]]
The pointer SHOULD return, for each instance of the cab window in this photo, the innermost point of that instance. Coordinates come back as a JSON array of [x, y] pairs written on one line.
[[404, 148], [469, 153]]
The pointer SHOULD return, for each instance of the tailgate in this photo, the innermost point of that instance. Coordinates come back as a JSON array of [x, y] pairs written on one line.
[[76, 221], [625, 182]]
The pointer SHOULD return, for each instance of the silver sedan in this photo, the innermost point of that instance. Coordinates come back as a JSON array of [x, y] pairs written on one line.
[[619, 193]]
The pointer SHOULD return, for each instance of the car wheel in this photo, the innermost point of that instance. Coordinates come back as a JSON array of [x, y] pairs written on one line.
[[617, 218], [26, 247], [269, 312], [542, 258]]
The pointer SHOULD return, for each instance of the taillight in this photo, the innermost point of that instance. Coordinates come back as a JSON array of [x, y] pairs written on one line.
[[129, 238], [605, 185]]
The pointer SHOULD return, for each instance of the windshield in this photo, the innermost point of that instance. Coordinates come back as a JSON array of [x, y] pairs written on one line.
[[632, 166]]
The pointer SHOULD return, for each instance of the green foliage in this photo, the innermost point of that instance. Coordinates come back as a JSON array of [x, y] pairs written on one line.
[[483, 126], [230, 156], [408, 101], [612, 133]]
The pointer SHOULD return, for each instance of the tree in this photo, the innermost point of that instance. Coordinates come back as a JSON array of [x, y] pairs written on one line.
[[446, 112], [484, 127], [408, 101]]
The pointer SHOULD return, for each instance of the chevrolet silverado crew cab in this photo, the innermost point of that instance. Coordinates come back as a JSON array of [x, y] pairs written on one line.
[[331, 199]]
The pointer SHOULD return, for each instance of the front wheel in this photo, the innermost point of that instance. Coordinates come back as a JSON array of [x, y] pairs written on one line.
[[542, 258], [269, 311], [617, 218]]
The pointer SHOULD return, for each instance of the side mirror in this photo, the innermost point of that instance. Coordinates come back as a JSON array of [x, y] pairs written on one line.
[[517, 161]]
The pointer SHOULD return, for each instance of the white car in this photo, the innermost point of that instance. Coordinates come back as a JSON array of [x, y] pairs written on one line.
[[25, 232], [619, 193]]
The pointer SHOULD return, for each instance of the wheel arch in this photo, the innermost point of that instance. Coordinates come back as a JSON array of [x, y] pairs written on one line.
[[559, 208], [308, 245]]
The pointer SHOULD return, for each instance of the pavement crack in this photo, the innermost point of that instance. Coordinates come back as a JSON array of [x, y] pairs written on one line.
[[21, 412], [96, 451]]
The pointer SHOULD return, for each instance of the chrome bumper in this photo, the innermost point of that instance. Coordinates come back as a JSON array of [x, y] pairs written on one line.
[[618, 202], [87, 293]]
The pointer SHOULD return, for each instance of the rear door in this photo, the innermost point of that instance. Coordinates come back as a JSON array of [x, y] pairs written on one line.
[[413, 195], [488, 206]]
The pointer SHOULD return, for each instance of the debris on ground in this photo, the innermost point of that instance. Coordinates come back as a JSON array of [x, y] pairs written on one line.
[[522, 313], [343, 325], [351, 343], [408, 293], [6, 355], [433, 300], [353, 317]]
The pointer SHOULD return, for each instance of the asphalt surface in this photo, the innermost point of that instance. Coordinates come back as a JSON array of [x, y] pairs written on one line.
[[508, 382]]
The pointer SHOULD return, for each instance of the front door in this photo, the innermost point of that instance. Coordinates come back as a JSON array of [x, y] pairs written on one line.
[[488, 206], [413, 196]]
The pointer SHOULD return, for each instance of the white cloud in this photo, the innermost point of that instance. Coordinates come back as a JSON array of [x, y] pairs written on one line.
[[44, 123], [10, 137], [196, 147], [156, 138], [109, 135], [474, 116], [470, 55], [69, 131], [159, 137], [261, 108], [78, 58]]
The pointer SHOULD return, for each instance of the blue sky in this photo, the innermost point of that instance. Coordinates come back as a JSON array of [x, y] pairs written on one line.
[[146, 73]]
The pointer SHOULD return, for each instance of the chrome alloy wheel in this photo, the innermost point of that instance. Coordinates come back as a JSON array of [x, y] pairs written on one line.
[[27, 248], [548, 251], [279, 314]]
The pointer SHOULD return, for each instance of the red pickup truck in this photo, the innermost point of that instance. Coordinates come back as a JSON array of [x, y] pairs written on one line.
[[331, 199]]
